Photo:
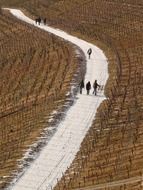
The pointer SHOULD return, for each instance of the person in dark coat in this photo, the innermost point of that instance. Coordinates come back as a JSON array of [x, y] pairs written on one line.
[[39, 20], [44, 20], [95, 85], [89, 52], [88, 87], [81, 86]]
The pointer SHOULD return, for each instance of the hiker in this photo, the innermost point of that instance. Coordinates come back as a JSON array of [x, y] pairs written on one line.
[[39, 20], [95, 85], [81, 85], [36, 20], [88, 87], [89, 52], [44, 20]]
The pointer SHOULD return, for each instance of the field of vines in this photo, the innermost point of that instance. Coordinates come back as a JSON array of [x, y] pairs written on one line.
[[111, 155], [36, 73]]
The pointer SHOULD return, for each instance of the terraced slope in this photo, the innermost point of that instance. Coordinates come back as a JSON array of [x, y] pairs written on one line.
[[36, 72]]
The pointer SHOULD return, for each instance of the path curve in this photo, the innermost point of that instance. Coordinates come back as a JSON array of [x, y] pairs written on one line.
[[60, 151]]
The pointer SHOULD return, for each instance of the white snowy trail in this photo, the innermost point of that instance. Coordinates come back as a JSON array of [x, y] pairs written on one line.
[[60, 151]]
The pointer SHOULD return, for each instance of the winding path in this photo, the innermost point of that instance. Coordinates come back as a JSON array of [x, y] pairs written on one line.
[[60, 151]]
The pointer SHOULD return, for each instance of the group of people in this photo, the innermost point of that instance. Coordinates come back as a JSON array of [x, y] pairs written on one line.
[[88, 84], [88, 87], [40, 20]]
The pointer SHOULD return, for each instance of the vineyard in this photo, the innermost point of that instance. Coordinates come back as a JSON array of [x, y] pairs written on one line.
[[112, 149], [37, 71], [111, 156]]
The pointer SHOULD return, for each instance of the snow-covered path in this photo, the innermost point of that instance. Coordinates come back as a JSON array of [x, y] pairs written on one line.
[[60, 151]]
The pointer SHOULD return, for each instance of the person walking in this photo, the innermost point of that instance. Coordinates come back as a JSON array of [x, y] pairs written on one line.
[[88, 87], [44, 20], [95, 85], [81, 85], [39, 20], [89, 52]]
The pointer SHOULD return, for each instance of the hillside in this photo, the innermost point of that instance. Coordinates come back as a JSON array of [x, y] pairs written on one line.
[[36, 74], [112, 149]]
